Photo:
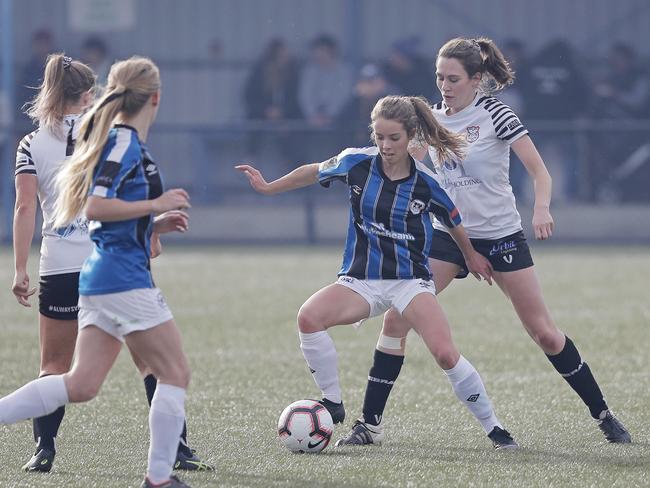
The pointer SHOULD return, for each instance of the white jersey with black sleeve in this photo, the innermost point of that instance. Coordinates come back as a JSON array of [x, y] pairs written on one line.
[[479, 185], [41, 154]]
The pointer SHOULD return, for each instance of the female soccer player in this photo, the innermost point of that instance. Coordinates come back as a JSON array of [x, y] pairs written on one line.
[[385, 258], [479, 185], [67, 91], [112, 176]]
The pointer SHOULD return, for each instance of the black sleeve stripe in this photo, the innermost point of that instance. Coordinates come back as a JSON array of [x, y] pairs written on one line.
[[497, 129], [24, 162], [518, 131], [495, 106], [26, 171], [24, 151], [441, 212], [504, 115], [478, 102], [496, 114], [107, 173]]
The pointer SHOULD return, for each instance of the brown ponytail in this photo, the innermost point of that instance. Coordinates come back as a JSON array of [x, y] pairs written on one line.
[[416, 115], [480, 56]]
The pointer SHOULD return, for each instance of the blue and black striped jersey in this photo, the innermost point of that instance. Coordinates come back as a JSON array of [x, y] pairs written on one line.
[[120, 258], [389, 230]]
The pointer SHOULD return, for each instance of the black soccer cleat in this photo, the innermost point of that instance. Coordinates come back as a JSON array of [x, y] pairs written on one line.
[[362, 434], [613, 429], [41, 461], [501, 439], [336, 410], [190, 462], [173, 482]]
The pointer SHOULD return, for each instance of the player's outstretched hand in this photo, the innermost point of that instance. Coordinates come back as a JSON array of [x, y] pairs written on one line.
[[172, 221], [255, 178], [21, 290], [480, 267], [542, 223], [174, 199]]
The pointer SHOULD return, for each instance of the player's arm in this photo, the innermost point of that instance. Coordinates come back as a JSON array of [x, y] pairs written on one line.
[[156, 245], [115, 209], [477, 264], [300, 177], [532, 161], [23, 233]]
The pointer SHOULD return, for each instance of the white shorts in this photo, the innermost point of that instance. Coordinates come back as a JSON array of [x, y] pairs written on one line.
[[384, 294], [119, 314]]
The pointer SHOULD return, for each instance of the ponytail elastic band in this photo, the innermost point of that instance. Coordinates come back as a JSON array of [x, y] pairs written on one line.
[[67, 62], [106, 101]]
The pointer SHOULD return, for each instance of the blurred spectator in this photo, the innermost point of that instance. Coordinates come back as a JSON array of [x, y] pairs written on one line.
[[353, 119], [622, 93], [215, 51], [42, 44], [325, 84], [271, 88], [409, 71], [94, 52], [270, 95], [557, 91], [624, 90]]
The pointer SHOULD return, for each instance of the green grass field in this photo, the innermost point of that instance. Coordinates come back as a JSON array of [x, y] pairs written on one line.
[[237, 309]]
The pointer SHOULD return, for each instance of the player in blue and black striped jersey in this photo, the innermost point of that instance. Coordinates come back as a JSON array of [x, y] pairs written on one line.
[[111, 177], [385, 259], [467, 72]]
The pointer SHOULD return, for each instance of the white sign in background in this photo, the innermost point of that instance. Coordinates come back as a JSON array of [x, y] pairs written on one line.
[[101, 15]]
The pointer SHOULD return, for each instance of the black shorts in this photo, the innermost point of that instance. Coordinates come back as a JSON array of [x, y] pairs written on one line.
[[509, 253], [59, 296]]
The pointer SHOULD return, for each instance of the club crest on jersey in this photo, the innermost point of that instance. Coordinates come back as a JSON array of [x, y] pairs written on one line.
[[472, 133], [356, 189], [416, 206]]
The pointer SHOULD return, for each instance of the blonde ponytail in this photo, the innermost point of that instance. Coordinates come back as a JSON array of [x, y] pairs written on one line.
[[130, 85], [64, 81]]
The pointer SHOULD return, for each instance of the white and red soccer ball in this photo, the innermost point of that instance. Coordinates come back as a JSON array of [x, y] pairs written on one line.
[[305, 426]]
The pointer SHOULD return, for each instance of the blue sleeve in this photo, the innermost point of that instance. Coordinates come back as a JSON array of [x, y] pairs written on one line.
[[441, 205], [118, 160], [338, 167]]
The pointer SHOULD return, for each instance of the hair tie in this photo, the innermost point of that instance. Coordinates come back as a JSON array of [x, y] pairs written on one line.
[[476, 44], [107, 100], [67, 62]]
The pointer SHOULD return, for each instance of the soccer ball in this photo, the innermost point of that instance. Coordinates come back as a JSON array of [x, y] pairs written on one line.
[[305, 426]]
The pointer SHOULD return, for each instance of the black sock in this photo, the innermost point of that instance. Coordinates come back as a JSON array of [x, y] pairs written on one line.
[[46, 428], [150, 383], [385, 370], [577, 373]]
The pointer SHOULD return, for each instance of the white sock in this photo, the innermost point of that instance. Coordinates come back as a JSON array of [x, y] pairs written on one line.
[[36, 399], [469, 389], [320, 354], [166, 418]]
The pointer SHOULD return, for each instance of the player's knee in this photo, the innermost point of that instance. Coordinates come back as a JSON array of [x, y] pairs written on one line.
[[394, 324], [446, 357], [81, 391], [308, 321], [546, 334], [550, 340]]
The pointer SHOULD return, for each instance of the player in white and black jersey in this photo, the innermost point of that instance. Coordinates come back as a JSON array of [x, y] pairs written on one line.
[[479, 185], [385, 258], [66, 92]]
